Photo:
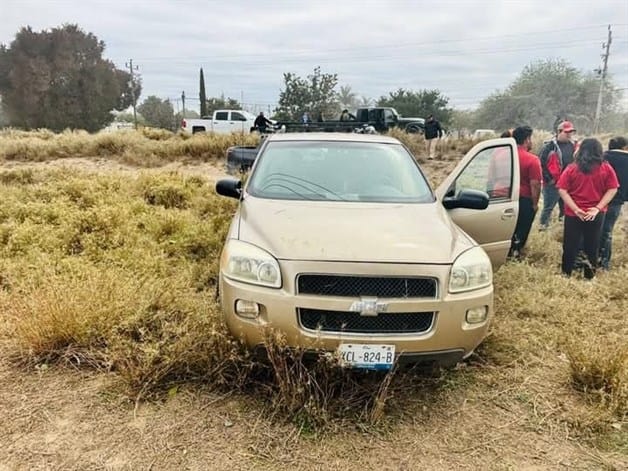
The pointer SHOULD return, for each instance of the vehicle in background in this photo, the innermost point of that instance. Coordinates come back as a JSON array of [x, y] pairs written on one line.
[[381, 119], [222, 121], [341, 245], [483, 134], [240, 159]]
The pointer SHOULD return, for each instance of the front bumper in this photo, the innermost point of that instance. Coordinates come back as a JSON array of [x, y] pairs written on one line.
[[450, 336]]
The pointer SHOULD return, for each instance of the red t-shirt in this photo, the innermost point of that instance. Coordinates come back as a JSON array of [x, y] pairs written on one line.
[[529, 169], [587, 189]]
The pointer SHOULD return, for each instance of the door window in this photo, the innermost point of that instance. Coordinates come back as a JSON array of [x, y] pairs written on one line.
[[235, 116], [389, 116], [222, 116], [490, 171]]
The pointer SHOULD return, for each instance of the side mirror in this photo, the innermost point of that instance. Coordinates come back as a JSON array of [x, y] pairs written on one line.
[[469, 199], [229, 187]]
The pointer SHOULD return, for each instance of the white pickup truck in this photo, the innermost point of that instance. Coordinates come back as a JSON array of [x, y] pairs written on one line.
[[222, 121]]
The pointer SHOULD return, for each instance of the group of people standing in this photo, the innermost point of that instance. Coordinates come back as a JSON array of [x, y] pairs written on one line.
[[588, 184]]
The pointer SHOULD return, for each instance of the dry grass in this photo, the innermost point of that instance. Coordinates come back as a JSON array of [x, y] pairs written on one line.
[[118, 273], [147, 147]]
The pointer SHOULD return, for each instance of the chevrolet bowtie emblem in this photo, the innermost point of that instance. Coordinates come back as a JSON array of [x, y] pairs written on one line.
[[368, 307]]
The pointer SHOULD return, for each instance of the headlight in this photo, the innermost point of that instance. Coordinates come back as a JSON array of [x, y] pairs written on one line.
[[245, 262], [471, 270]]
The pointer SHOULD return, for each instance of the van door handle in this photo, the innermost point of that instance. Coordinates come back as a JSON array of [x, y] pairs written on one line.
[[508, 214]]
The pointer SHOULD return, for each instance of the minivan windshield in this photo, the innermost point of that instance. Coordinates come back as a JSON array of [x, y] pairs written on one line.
[[338, 171]]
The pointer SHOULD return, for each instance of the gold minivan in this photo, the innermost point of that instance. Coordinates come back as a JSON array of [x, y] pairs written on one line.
[[340, 244]]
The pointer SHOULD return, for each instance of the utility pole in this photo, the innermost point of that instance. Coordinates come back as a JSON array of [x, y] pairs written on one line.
[[183, 101], [602, 72], [132, 69]]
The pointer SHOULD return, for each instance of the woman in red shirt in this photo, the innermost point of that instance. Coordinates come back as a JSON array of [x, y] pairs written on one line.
[[586, 186]]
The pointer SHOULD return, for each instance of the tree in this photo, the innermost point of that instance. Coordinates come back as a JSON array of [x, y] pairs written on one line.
[[179, 116], [544, 91], [3, 117], [157, 113], [58, 79], [463, 119], [347, 97], [314, 94], [421, 104], [221, 103], [201, 94], [364, 101]]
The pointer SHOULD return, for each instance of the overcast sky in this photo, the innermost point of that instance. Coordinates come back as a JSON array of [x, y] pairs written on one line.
[[466, 49]]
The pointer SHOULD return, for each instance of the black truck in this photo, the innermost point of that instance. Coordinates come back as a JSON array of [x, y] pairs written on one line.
[[379, 118], [372, 119]]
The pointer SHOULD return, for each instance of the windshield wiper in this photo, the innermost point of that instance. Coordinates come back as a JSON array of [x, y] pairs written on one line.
[[299, 182]]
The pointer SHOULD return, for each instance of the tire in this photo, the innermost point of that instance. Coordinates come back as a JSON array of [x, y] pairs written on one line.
[[414, 129]]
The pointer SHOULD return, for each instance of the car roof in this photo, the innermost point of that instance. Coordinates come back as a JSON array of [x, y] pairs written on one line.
[[332, 136]]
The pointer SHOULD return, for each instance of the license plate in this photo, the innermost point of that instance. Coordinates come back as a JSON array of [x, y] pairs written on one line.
[[368, 356]]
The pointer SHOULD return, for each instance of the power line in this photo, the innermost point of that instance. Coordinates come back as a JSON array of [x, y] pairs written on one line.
[[369, 47], [388, 57]]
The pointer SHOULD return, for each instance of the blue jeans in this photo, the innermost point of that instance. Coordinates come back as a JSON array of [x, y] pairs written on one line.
[[606, 238], [550, 198]]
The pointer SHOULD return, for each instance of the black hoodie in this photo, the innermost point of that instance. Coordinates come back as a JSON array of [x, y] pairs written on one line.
[[619, 161]]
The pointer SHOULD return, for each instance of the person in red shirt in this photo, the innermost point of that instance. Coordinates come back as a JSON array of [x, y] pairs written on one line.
[[586, 186], [529, 189]]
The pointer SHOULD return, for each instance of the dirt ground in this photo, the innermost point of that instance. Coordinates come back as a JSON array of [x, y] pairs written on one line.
[[59, 418]]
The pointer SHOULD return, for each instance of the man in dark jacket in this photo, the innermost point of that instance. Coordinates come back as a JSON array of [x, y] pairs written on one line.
[[261, 122], [617, 156], [433, 130], [555, 156]]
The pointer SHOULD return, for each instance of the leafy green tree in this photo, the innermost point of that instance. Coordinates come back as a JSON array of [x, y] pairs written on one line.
[[418, 104], [221, 103], [59, 79], [157, 112], [201, 94], [314, 94], [545, 91]]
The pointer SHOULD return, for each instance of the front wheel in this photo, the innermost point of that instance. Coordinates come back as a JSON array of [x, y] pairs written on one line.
[[414, 129]]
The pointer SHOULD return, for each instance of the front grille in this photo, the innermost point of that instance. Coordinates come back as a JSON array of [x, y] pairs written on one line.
[[353, 322], [356, 286]]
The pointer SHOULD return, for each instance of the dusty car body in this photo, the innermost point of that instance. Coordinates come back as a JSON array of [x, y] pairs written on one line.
[[340, 244]]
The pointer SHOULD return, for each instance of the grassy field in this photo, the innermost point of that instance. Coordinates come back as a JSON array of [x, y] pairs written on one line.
[[109, 323]]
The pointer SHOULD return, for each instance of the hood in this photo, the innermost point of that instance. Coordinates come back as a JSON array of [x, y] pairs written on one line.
[[343, 231]]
